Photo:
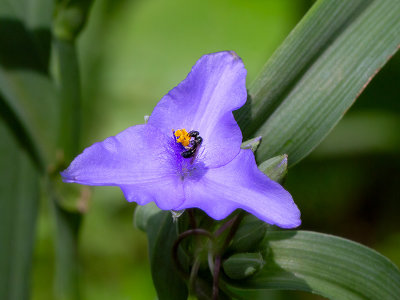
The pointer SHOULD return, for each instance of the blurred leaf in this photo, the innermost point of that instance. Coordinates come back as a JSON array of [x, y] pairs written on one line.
[[29, 99], [330, 266], [317, 73], [25, 34], [162, 233], [29, 105], [363, 132], [19, 195]]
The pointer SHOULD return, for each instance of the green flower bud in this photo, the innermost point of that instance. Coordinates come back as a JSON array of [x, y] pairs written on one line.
[[275, 168], [243, 265], [143, 213], [70, 18]]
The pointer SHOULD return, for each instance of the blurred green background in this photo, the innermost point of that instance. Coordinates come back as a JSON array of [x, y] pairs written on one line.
[[133, 51]]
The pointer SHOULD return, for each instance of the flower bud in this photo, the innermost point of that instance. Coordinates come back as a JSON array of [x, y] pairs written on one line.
[[275, 168], [243, 265], [143, 213]]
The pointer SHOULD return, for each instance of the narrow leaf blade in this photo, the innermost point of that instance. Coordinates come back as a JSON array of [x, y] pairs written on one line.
[[28, 96], [19, 197], [317, 73], [30, 105], [330, 266]]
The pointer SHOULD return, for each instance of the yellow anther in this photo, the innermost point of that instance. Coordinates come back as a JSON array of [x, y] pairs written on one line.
[[182, 137]]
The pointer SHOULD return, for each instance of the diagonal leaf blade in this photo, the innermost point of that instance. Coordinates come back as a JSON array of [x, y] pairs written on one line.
[[29, 104], [29, 100], [19, 197], [317, 73], [330, 266]]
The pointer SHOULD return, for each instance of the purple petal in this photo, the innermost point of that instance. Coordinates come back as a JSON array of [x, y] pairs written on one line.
[[166, 193], [240, 184], [204, 101], [138, 160]]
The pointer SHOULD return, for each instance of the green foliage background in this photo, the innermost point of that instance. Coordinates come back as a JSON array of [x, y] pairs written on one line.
[[132, 52]]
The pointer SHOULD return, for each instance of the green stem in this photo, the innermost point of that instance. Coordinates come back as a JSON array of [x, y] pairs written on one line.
[[67, 222], [217, 267], [235, 225], [178, 241], [69, 19], [67, 266], [193, 274], [69, 81]]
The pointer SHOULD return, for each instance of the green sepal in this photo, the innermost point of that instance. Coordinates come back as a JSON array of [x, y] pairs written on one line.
[[275, 168], [243, 265], [252, 144]]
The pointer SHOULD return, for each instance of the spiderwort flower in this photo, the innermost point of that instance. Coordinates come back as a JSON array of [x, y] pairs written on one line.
[[188, 154]]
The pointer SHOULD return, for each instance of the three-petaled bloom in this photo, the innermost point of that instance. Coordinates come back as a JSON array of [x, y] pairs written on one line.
[[188, 154]]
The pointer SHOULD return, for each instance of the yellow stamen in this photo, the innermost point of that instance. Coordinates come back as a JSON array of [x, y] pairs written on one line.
[[182, 137]]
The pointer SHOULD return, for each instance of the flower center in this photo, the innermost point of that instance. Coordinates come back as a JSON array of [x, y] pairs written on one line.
[[190, 140], [183, 137]]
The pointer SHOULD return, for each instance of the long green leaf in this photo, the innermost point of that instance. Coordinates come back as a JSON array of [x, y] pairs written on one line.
[[333, 267], [27, 105], [29, 102], [317, 73], [25, 34], [19, 195], [162, 233], [28, 97]]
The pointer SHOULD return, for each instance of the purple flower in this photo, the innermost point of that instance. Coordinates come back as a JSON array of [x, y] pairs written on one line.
[[188, 154]]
